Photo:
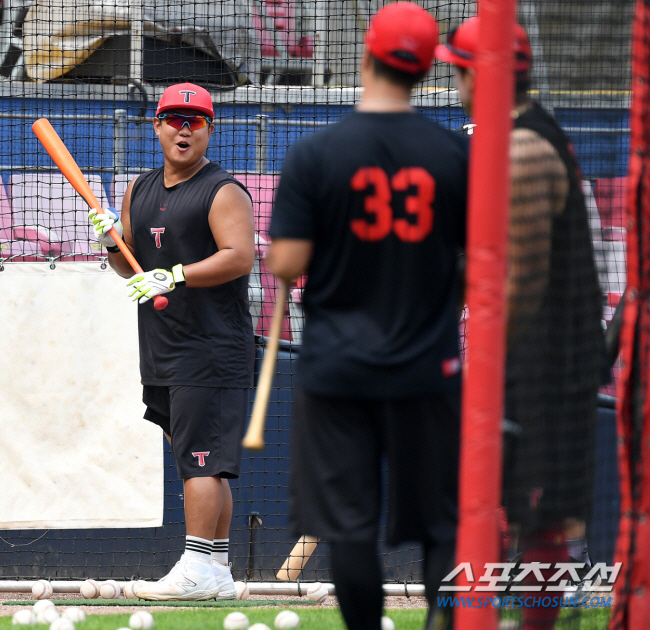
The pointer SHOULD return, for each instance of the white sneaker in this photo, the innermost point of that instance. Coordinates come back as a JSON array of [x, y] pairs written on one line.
[[189, 579], [226, 584]]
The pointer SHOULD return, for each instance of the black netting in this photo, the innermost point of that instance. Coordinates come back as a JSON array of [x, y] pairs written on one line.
[[277, 70]]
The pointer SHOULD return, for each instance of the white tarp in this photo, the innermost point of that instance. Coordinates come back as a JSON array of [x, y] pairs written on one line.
[[74, 449]]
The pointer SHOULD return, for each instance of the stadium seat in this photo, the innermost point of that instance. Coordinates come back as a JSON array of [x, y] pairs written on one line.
[[285, 32], [13, 247], [296, 314], [48, 211], [116, 190], [609, 193], [262, 189]]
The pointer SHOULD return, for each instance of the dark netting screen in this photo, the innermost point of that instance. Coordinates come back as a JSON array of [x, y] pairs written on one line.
[[276, 70]]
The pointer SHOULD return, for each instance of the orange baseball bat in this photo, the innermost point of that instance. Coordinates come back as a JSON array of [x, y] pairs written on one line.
[[63, 159], [254, 438]]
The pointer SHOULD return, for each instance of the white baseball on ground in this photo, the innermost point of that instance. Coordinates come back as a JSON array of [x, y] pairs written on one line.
[[286, 619], [24, 617], [41, 604], [110, 590], [74, 614], [317, 592], [387, 623], [62, 623], [259, 626], [141, 620], [129, 589], [89, 589], [42, 589], [241, 590], [47, 615], [235, 621]]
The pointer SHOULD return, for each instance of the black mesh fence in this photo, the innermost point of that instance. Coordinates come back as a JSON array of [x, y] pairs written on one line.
[[278, 70]]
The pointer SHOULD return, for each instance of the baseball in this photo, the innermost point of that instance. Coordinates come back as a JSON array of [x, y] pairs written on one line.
[[141, 620], [47, 615], [42, 589], [110, 590], [286, 619], [387, 623], [41, 604], [235, 621], [241, 590], [62, 623], [317, 592], [89, 589], [129, 590], [74, 614], [24, 617], [259, 626]]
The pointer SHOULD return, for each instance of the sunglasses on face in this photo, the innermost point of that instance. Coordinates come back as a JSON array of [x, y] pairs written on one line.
[[177, 121]]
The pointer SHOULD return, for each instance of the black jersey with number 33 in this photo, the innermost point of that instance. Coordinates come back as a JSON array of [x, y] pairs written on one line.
[[204, 336], [382, 196]]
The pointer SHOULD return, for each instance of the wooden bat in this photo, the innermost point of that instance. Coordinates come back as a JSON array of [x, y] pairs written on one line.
[[254, 437], [298, 557], [63, 159]]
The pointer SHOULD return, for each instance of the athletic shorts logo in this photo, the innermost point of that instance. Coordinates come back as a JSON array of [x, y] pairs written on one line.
[[186, 95], [157, 232], [201, 457]]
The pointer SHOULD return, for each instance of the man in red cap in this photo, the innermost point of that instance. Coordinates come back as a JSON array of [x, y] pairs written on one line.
[[373, 209], [555, 352], [191, 224]]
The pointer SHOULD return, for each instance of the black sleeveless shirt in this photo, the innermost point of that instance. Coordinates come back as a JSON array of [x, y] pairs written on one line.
[[205, 335], [558, 356]]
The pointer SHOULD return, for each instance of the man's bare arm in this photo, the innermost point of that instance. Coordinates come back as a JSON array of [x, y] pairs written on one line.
[[539, 188]]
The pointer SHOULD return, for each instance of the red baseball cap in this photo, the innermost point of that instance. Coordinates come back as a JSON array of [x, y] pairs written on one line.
[[403, 36], [186, 96], [462, 44]]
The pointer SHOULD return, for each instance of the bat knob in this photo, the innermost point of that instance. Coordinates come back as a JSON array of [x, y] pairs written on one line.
[[160, 302]]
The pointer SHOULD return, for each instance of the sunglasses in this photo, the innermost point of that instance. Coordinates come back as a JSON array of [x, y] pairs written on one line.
[[177, 121]]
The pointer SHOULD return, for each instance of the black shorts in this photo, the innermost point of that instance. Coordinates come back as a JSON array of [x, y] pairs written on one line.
[[206, 425], [338, 451]]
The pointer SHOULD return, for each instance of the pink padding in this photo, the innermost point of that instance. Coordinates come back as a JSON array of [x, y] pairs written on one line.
[[49, 211]]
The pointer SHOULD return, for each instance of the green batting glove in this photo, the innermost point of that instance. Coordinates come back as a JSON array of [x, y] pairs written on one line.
[[151, 283], [102, 223]]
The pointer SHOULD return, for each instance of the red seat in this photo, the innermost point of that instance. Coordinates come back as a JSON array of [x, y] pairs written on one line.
[[262, 190], [609, 193]]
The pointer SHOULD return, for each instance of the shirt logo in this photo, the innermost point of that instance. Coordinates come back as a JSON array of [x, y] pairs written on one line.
[[201, 457], [186, 95], [163, 208], [157, 232], [451, 366]]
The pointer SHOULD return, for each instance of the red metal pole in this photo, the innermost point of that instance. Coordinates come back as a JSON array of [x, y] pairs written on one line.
[[489, 199]]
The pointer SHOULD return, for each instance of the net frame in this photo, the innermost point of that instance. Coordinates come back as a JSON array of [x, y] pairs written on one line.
[[265, 144]]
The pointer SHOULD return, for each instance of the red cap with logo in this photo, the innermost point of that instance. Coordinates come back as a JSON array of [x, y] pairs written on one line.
[[403, 36], [462, 44], [186, 96]]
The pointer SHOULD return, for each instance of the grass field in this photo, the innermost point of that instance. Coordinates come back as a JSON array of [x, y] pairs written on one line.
[[315, 618], [210, 615]]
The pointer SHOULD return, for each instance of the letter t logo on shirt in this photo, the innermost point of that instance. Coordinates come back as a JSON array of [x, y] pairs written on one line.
[[157, 232]]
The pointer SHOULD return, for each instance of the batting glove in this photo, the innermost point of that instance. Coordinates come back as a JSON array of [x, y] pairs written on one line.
[[151, 283], [102, 223]]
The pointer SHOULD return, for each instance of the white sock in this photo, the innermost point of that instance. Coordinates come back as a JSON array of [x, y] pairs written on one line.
[[220, 550], [198, 548]]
